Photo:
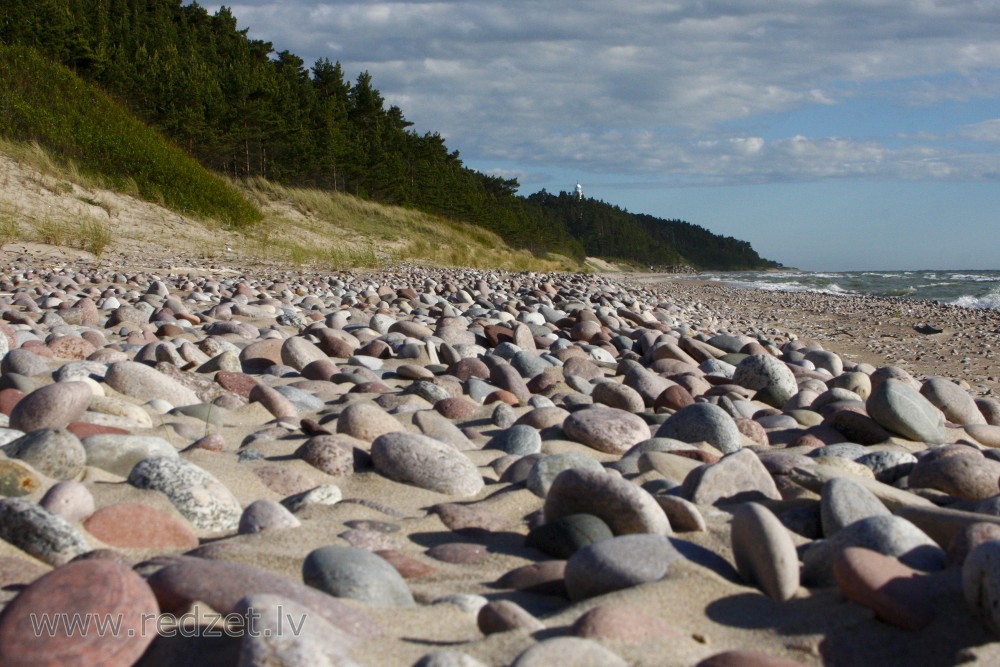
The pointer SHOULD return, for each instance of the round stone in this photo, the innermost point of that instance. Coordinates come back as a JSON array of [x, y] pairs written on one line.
[[136, 526], [198, 496], [764, 552], [957, 404], [981, 583], [883, 584], [70, 500], [53, 406], [965, 477], [87, 589], [358, 574], [703, 422], [568, 651], [844, 501], [118, 453], [415, 459], [56, 453], [606, 429], [618, 563], [903, 410], [33, 529], [333, 454], [621, 623], [146, 383], [518, 440], [266, 514], [503, 616], [366, 421], [565, 536], [764, 372], [623, 506]]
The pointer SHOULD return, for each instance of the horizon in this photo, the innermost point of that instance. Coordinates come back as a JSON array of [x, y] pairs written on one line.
[[864, 136]]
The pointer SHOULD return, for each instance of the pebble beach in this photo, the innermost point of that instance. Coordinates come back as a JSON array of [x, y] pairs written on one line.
[[267, 465]]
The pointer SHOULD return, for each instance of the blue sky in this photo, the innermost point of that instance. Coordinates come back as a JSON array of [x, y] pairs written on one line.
[[858, 134]]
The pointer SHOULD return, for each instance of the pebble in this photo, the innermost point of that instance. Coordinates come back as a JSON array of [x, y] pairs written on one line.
[[616, 622], [703, 422], [764, 552], [415, 459], [333, 454], [606, 429], [89, 589], [888, 535], [618, 563], [37, 531], [518, 440], [505, 616], [366, 421], [901, 409], [881, 583], [288, 634], [17, 479], [981, 583], [266, 514], [222, 584], [70, 500], [145, 383], [358, 574], [737, 477], [625, 507], [566, 535], [843, 501], [136, 526], [957, 405], [568, 651], [965, 477], [55, 453], [53, 406], [198, 496], [763, 372]]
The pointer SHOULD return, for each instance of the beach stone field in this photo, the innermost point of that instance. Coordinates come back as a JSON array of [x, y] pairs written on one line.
[[419, 466]]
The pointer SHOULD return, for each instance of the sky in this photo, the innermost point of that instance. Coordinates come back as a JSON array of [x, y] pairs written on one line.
[[837, 135]]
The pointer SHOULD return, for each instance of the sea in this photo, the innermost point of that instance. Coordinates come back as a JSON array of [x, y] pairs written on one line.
[[970, 289]]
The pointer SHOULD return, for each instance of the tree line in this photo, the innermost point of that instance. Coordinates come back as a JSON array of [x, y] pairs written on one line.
[[245, 110]]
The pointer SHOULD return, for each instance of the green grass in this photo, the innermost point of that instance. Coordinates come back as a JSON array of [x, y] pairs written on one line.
[[84, 129]]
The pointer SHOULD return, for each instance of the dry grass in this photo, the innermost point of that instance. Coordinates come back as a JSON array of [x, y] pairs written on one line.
[[345, 232]]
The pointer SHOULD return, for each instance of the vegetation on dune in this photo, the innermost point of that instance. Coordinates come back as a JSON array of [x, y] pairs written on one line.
[[78, 123], [245, 111]]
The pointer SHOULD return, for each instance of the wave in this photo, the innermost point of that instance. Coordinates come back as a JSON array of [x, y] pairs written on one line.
[[991, 300], [975, 277]]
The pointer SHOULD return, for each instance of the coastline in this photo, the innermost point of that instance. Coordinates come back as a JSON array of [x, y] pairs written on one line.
[[875, 330]]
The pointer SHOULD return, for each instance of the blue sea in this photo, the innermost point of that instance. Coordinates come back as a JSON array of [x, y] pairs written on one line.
[[971, 289]]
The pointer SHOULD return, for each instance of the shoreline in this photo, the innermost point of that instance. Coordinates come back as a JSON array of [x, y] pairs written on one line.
[[871, 329]]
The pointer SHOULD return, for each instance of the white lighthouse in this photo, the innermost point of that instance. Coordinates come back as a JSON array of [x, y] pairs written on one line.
[[579, 192]]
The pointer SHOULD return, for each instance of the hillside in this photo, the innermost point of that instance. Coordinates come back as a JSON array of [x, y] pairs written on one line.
[[242, 111], [54, 211]]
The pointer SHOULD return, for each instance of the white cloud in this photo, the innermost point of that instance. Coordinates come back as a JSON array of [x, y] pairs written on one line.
[[661, 89]]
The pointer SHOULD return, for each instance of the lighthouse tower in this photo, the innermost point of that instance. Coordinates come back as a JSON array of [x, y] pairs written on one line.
[[579, 192]]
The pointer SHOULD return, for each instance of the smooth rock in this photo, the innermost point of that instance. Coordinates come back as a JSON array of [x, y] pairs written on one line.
[[198, 496], [56, 453], [618, 563], [764, 552], [415, 459], [903, 410], [88, 589], [886, 586], [266, 514], [136, 526], [33, 529], [53, 406], [625, 507], [606, 429], [119, 453], [358, 574], [703, 422], [843, 501]]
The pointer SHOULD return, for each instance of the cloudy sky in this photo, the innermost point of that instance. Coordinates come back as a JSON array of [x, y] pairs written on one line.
[[856, 134]]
